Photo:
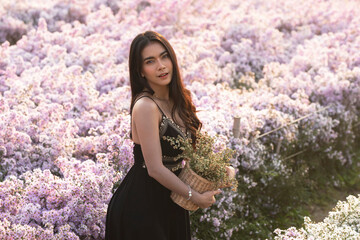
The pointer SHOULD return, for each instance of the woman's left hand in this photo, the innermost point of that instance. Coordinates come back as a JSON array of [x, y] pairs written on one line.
[[230, 172]]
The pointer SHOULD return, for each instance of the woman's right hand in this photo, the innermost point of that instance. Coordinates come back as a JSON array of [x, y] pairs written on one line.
[[206, 199]]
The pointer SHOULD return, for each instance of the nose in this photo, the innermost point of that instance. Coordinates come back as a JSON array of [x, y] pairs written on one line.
[[161, 65]]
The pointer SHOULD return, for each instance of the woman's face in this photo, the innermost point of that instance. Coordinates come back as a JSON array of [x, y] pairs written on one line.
[[156, 66]]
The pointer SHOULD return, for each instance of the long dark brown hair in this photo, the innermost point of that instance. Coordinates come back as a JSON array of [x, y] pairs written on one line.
[[178, 93]]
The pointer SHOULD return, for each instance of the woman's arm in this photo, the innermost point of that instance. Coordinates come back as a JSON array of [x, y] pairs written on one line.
[[146, 118]]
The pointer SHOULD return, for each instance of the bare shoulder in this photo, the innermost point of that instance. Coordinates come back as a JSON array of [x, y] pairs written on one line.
[[145, 107]]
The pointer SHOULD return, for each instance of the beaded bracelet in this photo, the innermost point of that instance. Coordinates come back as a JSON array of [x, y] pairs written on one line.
[[190, 193]]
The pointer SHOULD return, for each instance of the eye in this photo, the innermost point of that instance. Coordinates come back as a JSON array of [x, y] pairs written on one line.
[[166, 55], [149, 61]]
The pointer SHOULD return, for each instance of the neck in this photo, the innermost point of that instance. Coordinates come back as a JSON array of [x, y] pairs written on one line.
[[163, 98], [162, 93]]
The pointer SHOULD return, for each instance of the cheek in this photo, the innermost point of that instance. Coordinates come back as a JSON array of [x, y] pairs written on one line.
[[169, 64], [146, 70]]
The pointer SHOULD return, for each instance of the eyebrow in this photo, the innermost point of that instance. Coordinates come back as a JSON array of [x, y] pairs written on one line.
[[151, 57]]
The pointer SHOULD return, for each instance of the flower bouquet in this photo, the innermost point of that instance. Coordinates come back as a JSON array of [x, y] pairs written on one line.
[[205, 169]]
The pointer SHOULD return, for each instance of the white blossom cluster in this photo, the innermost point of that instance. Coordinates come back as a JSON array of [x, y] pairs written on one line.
[[342, 223]]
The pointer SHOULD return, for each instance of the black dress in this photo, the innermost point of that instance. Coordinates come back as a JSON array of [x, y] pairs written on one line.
[[141, 208]]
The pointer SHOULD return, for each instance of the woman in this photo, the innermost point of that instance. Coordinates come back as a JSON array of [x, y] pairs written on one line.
[[141, 208]]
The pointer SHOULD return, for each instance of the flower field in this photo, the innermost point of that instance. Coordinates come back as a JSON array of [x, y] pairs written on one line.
[[290, 70]]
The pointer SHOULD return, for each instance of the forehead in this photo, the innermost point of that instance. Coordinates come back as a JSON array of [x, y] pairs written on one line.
[[154, 49]]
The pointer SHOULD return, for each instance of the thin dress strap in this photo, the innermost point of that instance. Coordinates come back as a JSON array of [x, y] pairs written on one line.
[[134, 104], [153, 101]]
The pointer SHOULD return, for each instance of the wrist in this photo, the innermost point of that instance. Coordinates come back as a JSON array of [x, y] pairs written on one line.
[[195, 196]]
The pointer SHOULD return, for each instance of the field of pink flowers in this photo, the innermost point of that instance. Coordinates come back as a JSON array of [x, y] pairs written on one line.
[[65, 96]]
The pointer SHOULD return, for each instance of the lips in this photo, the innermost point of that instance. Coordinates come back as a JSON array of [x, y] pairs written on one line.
[[163, 75]]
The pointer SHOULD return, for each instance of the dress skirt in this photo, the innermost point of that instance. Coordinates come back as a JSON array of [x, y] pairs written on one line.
[[141, 208]]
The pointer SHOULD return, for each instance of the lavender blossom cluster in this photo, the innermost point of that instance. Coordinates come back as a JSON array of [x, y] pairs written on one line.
[[64, 98]]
